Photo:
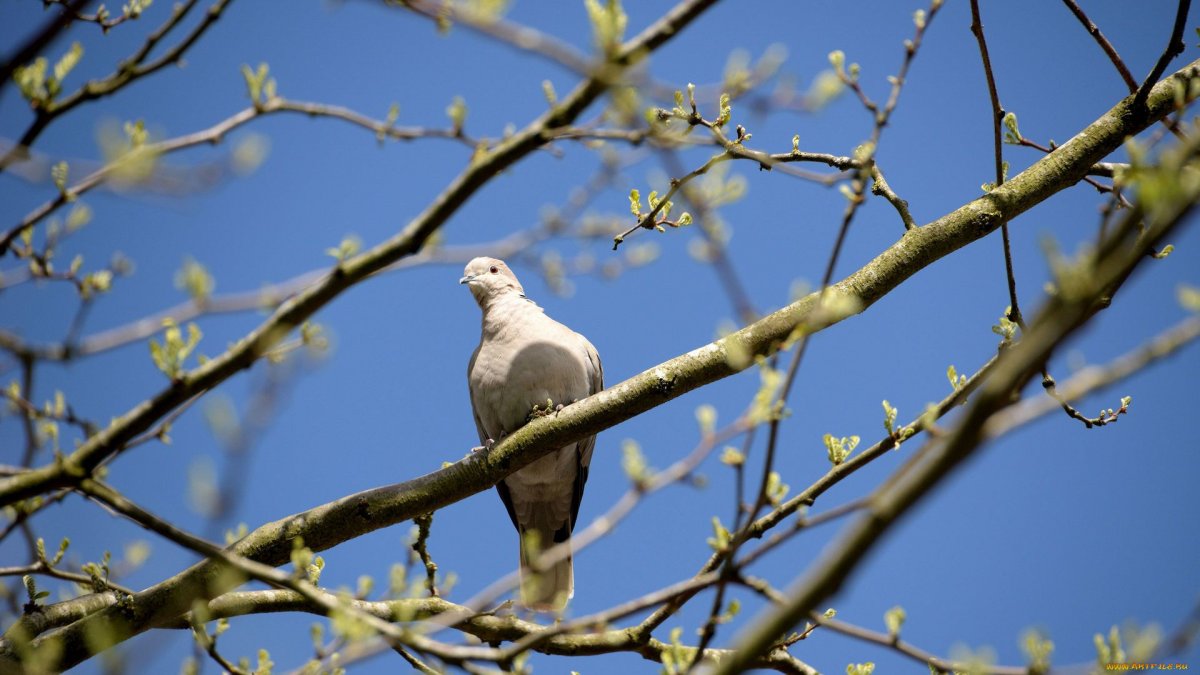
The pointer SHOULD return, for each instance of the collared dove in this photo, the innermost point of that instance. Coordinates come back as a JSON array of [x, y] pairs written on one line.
[[526, 359]]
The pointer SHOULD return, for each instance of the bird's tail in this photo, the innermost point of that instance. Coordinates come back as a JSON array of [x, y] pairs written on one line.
[[549, 589]]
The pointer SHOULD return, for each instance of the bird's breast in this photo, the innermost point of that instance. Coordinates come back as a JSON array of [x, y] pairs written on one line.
[[511, 376]]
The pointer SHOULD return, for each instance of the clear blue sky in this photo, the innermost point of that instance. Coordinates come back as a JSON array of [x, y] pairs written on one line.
[[1057, 527]]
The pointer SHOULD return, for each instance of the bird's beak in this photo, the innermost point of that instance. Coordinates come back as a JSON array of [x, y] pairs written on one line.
[[467, 279]]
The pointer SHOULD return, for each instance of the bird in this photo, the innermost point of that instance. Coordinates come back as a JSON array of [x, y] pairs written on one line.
[[526, 360]]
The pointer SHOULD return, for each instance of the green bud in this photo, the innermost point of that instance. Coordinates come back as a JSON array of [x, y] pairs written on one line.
[[706, 416], [58, 173], [894, 619], [837, 59], [457, 112]]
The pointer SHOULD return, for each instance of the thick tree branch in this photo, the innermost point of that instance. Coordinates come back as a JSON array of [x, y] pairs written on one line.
[[330, 524], [337, 521], [300, 307], [1060, 317], [118, 624]]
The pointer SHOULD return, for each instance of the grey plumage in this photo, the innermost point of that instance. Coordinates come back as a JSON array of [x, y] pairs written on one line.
[[525, 358]]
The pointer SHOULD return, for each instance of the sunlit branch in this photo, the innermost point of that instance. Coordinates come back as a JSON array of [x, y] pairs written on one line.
[[1060, 318]]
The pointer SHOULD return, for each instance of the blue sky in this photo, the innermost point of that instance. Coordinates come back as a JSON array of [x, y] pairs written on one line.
[[1057, 527]]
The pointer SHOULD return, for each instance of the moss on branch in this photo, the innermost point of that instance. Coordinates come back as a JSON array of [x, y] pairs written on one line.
[[355, 515]]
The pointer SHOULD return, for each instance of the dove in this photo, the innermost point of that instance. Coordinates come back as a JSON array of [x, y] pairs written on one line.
[[527, 365]]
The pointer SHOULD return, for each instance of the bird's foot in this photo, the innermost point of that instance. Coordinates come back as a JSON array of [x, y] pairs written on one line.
[[539, 411], [486, 447]]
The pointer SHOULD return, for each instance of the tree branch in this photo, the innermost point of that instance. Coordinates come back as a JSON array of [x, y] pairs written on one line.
[[1111, 51], [1060, 317], [36, 42], [352, 516], [300, 307], [215, 134], [127, 71], [1174, 48]]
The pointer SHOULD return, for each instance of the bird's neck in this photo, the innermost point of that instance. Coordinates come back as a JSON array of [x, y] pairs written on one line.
[[499, 310]]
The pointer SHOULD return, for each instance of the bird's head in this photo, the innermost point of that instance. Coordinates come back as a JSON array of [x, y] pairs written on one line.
[[488, 279]]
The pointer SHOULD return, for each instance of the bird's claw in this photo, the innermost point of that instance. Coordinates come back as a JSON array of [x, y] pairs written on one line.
[[539, 411]]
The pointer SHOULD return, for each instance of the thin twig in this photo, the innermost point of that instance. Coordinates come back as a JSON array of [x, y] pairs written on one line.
[[726, 272], [1014, 312], [215, 134], [44, 569], [104, 22], [605, 523], [513, 34], [1111, 51], [114, 500], [982, 421], [127, 71], [1173, 49], [911, 651], [38, 41], [924, 245]]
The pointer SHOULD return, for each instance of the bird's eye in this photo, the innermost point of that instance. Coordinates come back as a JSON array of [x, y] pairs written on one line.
[[493, 269]]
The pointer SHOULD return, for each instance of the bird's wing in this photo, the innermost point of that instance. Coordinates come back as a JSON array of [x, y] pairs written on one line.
[[483, 439], [584, 448]]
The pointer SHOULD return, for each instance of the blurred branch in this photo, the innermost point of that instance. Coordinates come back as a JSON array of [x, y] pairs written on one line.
[[354, 515], [294, 311], [38, 41], [267, 297], [1061, 316], [324, 603], [167, 179], [214, 135], [932, 661], [840, 472], [45, 569], [717, 251], [27, 510], [650, 220], [865, 155], [1014, 309], [1095, 378], [129, 70], [513, 34], [607, 522], [524, 635], [526, 38], [1183, 637], [100, 18]]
